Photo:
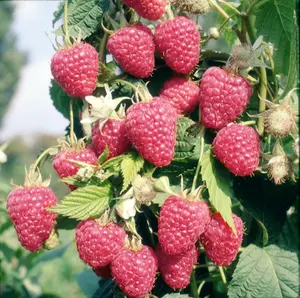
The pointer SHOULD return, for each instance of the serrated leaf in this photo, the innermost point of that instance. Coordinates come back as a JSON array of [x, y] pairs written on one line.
[[82, 203], [218, 182], [265, 272], [61, 100], [57, 15], [130, 166], [85, 17], [275, 20]]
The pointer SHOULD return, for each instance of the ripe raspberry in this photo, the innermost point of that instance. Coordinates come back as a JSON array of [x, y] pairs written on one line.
[[178, 41], [151, 128], [97, 245], [134, 271], [133, 48], [113, 135], [237, 147], [177, 269], [151, 9], [103, 272], [223, 97], [26, 206], [76, 69], [219, 242], [66, 168], [180, 224], [183, 94]]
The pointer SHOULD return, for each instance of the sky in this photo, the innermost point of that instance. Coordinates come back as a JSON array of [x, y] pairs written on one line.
[[31, 111]]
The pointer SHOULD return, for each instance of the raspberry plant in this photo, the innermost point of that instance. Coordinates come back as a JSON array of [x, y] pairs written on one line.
[[182, 160]]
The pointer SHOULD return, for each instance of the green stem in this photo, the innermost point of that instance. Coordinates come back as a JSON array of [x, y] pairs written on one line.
[[103, 47], [193, 285], [72, 138], [66, 29], [202, 133], [222, 12], [223, 276], [169, 12], [204, 265], [134, 87], [248, 123], [41, 156], [236, 12], [263, 95], [273, 72], [249, 27]]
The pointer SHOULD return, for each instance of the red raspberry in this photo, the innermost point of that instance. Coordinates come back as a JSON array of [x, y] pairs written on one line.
[[76, 69], [219, 242], [103, 272], [133, 48], [151, 128], [183, 94], [151, 9], [66, 168], [97, 245], [177, 269], [223, 97], [113, 135], [237, 147], [134, 271], [178, 41], [180, 224], [26, 206]]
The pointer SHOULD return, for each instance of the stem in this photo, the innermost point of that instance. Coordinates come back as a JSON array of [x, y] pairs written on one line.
[[72, 139], [273, 72], [193, 285], [135, 88], [241, 249], [263, 95], [248, 123], [219, 9], [66, 29], [231, 7], [223, 276], [250, 28], [204, 265], [103, 47], [169, 12], [201, 286], [41, 156], [202, 133]]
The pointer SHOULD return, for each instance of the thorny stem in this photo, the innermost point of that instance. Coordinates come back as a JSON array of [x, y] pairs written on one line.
[[193, 285], [202, 133], [72, 139], [263, 95], [135, 88], [223, 276]]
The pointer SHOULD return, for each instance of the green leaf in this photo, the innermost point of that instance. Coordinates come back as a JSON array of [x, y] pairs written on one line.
[[61, 100], [85, 17], [293, 71], [130, 166], [82, 203], [265, 272], [51, 255], [218, 182], [187, 140], [275, 20], [88, 282]]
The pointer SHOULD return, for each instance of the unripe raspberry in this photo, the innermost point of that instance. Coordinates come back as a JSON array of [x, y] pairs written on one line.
[[279, 121], [180, 224], [98, 245], [192, 6], [280, 168], [220, 243], [214, 33], [143, 190], [177, 269]]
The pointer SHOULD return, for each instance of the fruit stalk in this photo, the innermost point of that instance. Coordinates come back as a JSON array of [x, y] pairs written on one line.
[[223, 276], [41, 156], [72, 138]]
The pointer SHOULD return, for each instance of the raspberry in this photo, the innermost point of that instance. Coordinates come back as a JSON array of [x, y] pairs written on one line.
[[177, 269], [113, 135], [103, 272], [219, 241], [180, 224], [183, 94], [151, 128], [280, 168], [192, 6], [223, 97], [151, 9], [97, 245], [178, 41], [66, 168], [133, 48], [26, 206], [134, 271], [237, 147], [76, 69]]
